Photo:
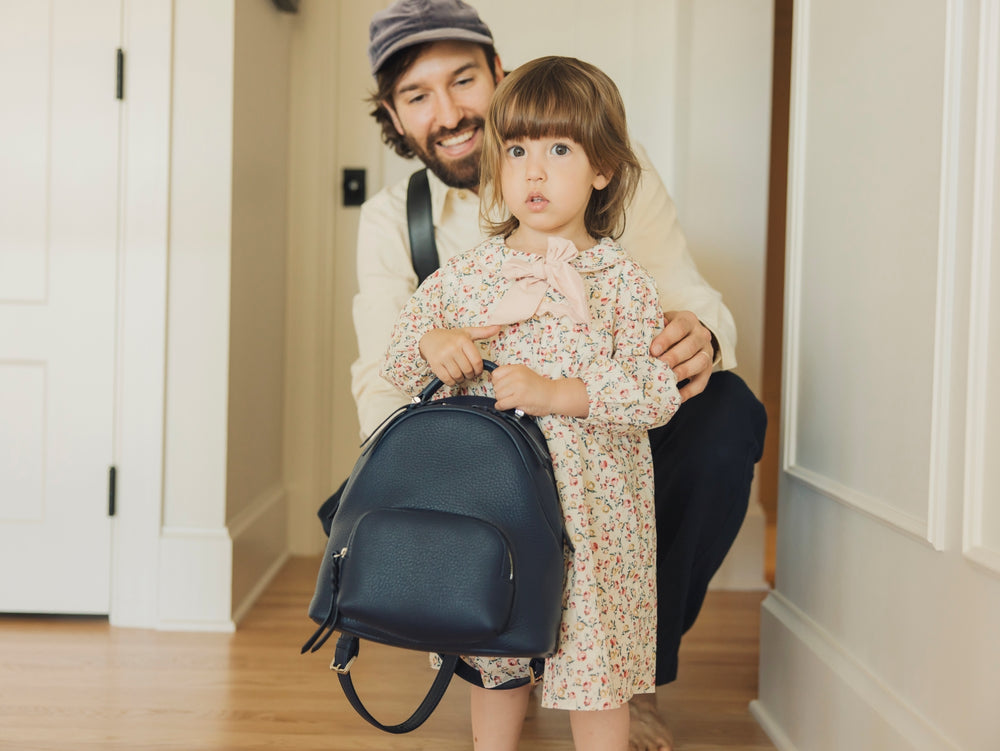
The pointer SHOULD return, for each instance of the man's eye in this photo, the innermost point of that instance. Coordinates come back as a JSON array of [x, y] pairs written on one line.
[[560, 149], [416, 99], [464, 81], [515, 151]]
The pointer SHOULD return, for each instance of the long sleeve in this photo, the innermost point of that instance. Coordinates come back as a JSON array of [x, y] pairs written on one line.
[[404, 367], [628, 389]]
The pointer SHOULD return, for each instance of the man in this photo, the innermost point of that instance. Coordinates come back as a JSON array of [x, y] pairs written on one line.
[[436, 70]]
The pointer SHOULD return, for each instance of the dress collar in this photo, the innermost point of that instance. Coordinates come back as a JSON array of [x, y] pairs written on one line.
[[604, 254]]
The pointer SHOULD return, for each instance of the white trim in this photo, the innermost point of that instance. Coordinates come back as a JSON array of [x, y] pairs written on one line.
[[204, 556], [845, 674], [241, 610], [140, 378], [771, 726], [930, 529], [259, 547], [951, 125], [877, 509], [798, 109], [988, 77]]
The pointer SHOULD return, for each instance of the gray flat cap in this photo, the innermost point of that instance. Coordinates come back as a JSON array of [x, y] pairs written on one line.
[[409, 22]]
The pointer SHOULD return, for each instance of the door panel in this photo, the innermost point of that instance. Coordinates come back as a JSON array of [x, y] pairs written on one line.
[[59, 166]]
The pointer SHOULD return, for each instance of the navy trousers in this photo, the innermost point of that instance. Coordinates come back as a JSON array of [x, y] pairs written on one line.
[[703, 462]]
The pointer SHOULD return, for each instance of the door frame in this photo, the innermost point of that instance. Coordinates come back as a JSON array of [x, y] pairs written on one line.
[[140, 382]]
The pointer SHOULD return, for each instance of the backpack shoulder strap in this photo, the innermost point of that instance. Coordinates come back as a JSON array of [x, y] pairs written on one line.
[[420, 223]]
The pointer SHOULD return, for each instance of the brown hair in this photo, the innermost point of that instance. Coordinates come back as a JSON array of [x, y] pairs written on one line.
[[553, 97], [385, 82]]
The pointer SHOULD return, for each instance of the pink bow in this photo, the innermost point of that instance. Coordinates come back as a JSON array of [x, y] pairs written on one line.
[[532, 279]]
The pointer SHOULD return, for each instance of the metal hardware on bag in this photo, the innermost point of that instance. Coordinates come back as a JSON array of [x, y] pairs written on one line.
[[531, 673], [415, 399], [519, 412], [342, 670]]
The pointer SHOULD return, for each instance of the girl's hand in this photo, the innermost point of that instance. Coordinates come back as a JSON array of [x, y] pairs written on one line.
[[452, 355], [519, 387]]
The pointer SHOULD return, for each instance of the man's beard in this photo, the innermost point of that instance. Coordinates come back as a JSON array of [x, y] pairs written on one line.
[[456, 173]]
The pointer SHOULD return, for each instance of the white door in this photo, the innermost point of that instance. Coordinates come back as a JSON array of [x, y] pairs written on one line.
[[59, 135]]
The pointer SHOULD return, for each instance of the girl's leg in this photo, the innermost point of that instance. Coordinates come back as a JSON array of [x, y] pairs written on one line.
[[497, 717], [605, 730]]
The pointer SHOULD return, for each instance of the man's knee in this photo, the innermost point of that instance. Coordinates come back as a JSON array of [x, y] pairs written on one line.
[[722, 426]]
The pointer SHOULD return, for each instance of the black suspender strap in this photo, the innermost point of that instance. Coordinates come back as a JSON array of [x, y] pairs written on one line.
[[420, 222]]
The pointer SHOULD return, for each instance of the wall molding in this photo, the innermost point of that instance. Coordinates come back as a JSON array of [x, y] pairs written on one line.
[[913, 526], [928, 529], [259, 547], [205, 556], [974, 542], [951, 125], [833, 677]]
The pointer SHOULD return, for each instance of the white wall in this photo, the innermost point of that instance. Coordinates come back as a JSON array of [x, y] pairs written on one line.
[[881, 633]]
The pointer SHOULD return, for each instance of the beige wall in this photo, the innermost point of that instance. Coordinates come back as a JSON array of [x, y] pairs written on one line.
[[256, 512]]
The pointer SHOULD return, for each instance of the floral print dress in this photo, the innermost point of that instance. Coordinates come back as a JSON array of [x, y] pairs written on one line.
[[603, 466]]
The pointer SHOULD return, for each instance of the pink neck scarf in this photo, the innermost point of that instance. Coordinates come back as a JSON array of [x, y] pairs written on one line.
[[532, 279]]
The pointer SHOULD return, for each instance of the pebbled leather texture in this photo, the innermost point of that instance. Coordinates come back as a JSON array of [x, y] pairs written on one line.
[[447, 537], [457, 456]]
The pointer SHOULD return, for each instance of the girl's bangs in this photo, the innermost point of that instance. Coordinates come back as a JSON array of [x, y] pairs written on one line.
[[539, 112]]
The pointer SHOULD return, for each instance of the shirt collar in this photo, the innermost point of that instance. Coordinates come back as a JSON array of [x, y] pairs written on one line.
[[440, 194]]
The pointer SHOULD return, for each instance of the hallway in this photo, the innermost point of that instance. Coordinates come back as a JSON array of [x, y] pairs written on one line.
[[76, 683]]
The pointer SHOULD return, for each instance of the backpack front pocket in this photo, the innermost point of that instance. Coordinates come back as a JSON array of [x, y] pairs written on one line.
[[426, 577]]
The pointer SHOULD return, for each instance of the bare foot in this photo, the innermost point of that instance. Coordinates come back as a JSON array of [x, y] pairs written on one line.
[[647, 730]]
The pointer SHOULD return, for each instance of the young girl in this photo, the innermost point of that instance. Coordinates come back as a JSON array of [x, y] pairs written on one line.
[[554, 301]]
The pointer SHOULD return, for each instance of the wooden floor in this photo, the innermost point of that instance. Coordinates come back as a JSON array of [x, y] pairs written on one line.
[[76, 683]]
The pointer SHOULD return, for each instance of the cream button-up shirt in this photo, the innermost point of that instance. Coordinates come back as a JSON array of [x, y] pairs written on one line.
[[386, 279]]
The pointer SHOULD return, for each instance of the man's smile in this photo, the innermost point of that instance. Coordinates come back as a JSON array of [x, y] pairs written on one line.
[[458, 144], [457, 139]]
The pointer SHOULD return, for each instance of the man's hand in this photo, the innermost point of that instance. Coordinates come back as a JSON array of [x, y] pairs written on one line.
[[686, 346], [452, 354]]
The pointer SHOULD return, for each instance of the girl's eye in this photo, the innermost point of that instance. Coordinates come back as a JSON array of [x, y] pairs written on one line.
[[515, 151], [560, 149]]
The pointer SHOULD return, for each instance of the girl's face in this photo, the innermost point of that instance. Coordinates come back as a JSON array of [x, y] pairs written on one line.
[[546, 184]]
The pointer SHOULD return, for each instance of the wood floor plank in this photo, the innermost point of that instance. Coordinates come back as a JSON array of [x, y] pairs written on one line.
[[77, 683]]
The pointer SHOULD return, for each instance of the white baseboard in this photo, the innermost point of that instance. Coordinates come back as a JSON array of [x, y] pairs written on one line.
[[260, 547], [195, 580], [815, 695], [781, 741], [240, 611], [210, 578]]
